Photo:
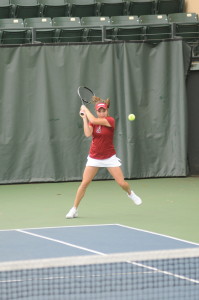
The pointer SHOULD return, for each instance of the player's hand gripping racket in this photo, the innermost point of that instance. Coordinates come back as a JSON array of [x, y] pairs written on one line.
[[85, 95]]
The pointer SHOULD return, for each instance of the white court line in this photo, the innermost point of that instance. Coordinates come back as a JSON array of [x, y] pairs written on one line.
[[103, 254], [60, 242], [98, 225], [165, 272], [159, 234], [54, 227]]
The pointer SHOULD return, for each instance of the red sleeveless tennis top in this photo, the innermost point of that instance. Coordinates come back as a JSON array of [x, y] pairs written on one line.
[[102, 140]]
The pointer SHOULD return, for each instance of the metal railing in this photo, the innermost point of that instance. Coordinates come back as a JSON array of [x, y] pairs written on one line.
[[31, 33]]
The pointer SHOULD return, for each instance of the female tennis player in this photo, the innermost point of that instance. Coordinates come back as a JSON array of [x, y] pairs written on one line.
[[102, 152]]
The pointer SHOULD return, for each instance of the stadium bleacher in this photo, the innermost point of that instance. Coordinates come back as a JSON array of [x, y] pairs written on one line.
[[186, 26], [68, 30], [157, 27], [12, 36], [127, 28], [5, 9], [25, 8], [85, 8], [43, 31], [53, 9], [150, 20], [169, 6]]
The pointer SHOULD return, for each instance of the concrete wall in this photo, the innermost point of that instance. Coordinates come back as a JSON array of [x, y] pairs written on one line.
[[192, 6]]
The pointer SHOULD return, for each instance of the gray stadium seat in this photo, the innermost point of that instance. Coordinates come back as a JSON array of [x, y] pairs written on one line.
[[183, 17], [44, 33], [127, 33], [95, 34], [186, 26], [25, 8], [72, 33], [141, 7], [157, 27], [12, 35], [124, 20], [112, 8], [54, 8], [5, 9], [83, 8], [169, 6]]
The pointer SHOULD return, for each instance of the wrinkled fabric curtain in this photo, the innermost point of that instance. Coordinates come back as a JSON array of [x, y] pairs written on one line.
[[41, 133]]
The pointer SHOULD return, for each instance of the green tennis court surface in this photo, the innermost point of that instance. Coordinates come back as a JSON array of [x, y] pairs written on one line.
[[170, 205], [66, 254]]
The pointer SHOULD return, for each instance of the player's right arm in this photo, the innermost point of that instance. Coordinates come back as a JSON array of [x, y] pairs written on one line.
[[88, 130]]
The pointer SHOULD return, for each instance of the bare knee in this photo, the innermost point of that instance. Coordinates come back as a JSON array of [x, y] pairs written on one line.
[[123, 184], [85, 184]]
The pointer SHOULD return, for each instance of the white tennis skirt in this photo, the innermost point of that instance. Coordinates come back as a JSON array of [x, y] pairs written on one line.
[[112, 161]]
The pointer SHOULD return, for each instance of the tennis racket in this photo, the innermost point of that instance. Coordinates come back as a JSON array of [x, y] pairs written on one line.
[[85, 95]]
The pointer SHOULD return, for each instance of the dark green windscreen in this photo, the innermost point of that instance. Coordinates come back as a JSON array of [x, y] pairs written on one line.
[[41, 134]]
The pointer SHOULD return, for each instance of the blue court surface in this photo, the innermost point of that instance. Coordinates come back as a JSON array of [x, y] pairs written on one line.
[[129, 279], [25, 244]]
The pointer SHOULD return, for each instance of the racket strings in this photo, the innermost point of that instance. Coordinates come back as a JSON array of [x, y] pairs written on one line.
[[86, 94]]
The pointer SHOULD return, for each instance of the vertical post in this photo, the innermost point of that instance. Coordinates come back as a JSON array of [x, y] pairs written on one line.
[[173, 30], [33, 35], [103, 33]]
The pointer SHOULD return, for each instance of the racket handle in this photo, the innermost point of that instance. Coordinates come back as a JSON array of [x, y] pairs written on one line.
[[81, 113]]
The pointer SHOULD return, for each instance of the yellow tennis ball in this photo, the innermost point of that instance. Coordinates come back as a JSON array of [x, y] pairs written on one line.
[[131, 117]]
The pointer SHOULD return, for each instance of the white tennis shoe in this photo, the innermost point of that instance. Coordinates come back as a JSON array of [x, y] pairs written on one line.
[[137, 200], [72, 213]]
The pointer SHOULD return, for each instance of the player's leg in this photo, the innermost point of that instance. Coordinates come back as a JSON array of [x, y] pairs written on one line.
[[117, 174], [88, 175]]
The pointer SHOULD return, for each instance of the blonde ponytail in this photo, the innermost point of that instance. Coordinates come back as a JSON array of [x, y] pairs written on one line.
[[99, 100]]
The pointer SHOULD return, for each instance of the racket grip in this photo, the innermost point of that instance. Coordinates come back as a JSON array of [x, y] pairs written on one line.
[[81, 113]]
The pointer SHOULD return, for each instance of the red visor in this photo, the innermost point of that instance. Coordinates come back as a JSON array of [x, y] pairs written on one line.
[[99, 105]]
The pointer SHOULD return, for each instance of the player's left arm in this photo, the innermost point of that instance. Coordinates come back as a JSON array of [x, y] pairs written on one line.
[[92, 119]]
